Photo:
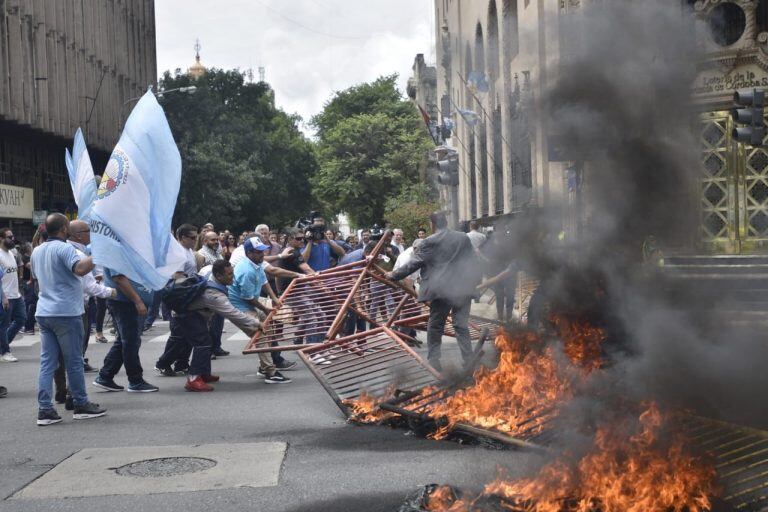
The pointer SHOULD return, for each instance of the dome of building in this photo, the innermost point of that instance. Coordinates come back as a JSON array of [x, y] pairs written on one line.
[[196, 70]]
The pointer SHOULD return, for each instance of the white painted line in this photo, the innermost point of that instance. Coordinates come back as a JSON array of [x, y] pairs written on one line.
[[160, 339], [239, 336], [26, 341]]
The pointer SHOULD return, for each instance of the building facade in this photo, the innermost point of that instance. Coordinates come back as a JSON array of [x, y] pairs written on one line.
[[497, 58], [65, 64]]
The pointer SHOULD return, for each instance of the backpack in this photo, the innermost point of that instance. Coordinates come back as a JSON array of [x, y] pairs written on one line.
[[178, 294]]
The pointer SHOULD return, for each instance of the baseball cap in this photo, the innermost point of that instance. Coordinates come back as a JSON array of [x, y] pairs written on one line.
[[254, 244]]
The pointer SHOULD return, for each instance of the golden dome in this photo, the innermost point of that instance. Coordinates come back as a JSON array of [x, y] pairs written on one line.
[[196, 70]]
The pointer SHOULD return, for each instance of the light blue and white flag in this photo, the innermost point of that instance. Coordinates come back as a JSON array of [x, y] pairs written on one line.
[[131, 211], [81, 175], [470, 117]]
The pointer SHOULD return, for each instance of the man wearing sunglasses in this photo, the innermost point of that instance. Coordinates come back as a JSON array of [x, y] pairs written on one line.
[[14, 311]]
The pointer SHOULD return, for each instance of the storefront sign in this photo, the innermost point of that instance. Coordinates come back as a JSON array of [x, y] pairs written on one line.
[[16, 202], [744, 77]]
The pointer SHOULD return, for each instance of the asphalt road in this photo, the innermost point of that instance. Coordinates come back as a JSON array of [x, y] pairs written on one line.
[[329, 465]]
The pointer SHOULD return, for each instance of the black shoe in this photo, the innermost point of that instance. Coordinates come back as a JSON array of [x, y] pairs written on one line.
[[213, 356], [3, 392], [87, 368], [61, 397], [142, 387], [88, 411], [220, 353], [181, 370], [69, 404], [286, 365], [146, 328], [109, 385], [48, 417], [166, 371], [277, 378]]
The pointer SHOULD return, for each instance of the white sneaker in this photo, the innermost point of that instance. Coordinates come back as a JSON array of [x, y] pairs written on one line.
[[8, 358]]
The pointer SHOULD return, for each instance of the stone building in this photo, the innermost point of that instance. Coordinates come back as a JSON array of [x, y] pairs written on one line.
[[496, 59], [65, 64]]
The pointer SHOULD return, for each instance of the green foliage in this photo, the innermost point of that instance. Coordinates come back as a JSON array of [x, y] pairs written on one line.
[[243, 161], [371, 145], [410, 211]]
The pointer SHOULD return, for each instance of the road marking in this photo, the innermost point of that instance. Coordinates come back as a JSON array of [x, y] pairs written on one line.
[[239, 336]]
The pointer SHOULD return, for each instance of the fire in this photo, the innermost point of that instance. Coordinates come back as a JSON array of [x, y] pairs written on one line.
[[633, 465], [524, 391], [582, 343], [366, 408]]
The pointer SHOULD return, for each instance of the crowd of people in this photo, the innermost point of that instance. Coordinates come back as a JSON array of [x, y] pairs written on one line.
[[52, 284]]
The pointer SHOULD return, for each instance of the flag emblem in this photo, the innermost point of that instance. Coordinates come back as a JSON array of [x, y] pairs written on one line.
[[115, 174]]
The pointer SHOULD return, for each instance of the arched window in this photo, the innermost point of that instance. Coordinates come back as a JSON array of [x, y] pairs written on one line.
[[762, 16], [493, 43]]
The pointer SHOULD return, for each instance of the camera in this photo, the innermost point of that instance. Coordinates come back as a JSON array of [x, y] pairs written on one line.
[[376, 233], [307, 224]]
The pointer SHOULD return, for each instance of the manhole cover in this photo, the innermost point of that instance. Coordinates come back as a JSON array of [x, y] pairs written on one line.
[[167, 466]]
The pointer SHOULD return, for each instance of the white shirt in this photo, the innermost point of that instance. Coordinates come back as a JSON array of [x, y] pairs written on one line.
[[476, 237], [10, 271], [400, 247], [91, 287], [404, 258]]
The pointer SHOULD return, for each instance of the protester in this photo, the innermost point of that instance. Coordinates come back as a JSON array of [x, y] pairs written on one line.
[[365, 237], [449, 275], [398, 241], [57, 266], [175, 357], [318, 253], [209, 250], [229, 245], [475, 236], [249, 279], [294, 262], [421, 233], [14, 311], [79, 238]]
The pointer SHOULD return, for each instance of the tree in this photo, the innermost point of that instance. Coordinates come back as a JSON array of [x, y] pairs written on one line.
[[371, 144], [243, 160], [410, 210]]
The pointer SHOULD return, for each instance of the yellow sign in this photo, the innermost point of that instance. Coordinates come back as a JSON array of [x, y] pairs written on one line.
[[16, 202]]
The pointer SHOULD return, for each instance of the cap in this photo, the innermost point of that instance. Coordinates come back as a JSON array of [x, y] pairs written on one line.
[[254, 244]]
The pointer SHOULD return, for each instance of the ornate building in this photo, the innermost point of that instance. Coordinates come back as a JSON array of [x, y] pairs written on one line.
[[496, 59], [65, 64]]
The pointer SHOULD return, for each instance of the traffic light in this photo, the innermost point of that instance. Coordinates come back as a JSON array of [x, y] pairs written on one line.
[[448, 170], [753, 131]]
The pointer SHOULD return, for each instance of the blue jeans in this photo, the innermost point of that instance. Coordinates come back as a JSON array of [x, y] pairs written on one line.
[[217, 327], [125, 349], [61, 335], [13, 320]]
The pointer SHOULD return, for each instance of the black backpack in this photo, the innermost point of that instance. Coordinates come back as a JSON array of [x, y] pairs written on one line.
[[178, 294]]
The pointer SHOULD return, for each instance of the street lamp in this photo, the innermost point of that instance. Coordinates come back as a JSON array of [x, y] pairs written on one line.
[[190, 89]]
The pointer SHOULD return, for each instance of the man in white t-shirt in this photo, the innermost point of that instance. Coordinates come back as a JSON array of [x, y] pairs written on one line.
[[475, 236], [14, 313]]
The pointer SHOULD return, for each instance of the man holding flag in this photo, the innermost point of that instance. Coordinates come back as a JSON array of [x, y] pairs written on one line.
[[130, 217]]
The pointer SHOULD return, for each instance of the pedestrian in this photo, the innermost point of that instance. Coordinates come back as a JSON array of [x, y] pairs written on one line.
[[249, 279], [80, 237], [175, 358], [398, 240], [57, 268], [475, 236], [318, 253], [209, 250], [14, 314], [449, 275], [421, 233]]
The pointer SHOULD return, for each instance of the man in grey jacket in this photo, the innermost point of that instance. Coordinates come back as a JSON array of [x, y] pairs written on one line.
[[449, 274], [194, 328]]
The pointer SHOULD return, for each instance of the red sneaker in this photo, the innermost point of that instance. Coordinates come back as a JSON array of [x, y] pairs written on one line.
[[210, 378], [197, 385]]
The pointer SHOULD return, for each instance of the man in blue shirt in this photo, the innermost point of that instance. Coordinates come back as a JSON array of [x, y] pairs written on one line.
[[57, 268], [245, 290], [319, 254]]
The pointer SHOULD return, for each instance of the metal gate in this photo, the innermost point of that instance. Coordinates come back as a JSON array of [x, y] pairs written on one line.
[[733, 190]]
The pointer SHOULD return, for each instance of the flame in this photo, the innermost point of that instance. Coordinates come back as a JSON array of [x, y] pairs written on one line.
[[633, 465], [523, 392], [582, 343], [365, 409]]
